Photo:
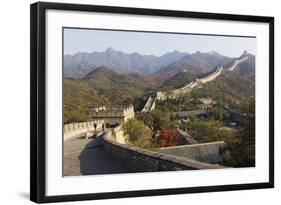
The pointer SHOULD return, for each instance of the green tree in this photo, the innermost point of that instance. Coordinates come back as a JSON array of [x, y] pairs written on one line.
[[136, 130], [76, 116], [220, 114], [208, 131], [156, 120], [242, 152]]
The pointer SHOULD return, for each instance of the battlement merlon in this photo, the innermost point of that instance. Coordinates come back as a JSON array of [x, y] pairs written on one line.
[[112, 111]]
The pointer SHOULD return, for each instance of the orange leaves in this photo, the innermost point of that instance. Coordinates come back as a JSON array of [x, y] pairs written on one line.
[[168, 138]]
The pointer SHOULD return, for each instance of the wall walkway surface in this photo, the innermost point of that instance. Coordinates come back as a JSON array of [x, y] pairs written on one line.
[[149, 105], [113, 144]]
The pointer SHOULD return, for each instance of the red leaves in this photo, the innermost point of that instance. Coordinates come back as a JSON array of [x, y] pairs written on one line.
[[167, 138]]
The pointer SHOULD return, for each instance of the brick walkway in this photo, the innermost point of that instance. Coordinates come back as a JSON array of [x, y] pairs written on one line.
[[87, 157]]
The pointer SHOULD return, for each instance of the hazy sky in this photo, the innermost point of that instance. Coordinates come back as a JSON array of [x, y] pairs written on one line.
[[86, 40]]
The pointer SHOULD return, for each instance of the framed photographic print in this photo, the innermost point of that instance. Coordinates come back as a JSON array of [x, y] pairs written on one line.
[[129, 102]]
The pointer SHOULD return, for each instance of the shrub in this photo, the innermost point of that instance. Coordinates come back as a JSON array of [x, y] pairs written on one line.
[[136, 130]]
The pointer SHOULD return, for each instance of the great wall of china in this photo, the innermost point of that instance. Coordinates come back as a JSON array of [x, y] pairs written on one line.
[[149, 105], [144, 160], [111, 145], [113, 115], [198, 82], [85, 129], [237, 62]]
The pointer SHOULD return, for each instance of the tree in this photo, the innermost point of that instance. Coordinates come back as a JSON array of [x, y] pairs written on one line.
[[207, 131], [156, 120], [220, 114], [167, 138], [75, 116], [242, 152], [136, 130]]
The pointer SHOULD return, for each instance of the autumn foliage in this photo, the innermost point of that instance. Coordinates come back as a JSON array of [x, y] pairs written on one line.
[[168, 138]]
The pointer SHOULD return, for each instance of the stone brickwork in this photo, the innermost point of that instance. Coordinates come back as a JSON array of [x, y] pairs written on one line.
[[117, 135], [205, 152], [113, 115], [149, 105], [141, 160]]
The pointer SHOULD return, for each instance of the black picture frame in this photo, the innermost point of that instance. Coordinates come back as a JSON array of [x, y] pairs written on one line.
[[38, 101]]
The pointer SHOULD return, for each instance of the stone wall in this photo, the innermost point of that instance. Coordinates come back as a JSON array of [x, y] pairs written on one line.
[[198, 82], [117, 135], [143, 160], [205, 152], [112, 114], [231, 67], [211, 76], [241, 60], [191, 85], [129, 113], [149, 105], [81, 128], [237, 62], [161, 95], [117, 111]]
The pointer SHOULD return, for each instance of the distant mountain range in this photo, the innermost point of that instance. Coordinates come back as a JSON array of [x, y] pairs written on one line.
[[151, 69], [171, 70], [103, 85], [80, 64]]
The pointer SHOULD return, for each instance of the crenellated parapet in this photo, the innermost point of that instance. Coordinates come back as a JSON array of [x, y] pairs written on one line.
[[117, 114], [82, 128], [117, 111]]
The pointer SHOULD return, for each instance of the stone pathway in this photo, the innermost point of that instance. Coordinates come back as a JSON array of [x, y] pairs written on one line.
[[87, 157]]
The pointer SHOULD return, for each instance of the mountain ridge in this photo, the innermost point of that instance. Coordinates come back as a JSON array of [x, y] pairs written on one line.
[[81, 63], [185, 76]]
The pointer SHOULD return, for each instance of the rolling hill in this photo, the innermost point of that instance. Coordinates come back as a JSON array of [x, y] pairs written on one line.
[[229, 89], [100, 87], [120, 87], [179, 79]]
